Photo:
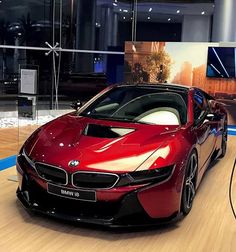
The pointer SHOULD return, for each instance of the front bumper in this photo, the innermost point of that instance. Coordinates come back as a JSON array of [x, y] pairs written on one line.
[[128, 212], [120, 206], [123, 213]]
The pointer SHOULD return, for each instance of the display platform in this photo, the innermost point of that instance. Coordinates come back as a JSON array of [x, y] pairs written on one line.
[[209, 227]]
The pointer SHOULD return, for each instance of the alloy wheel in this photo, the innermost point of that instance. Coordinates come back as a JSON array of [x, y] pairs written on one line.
[[190, 181], [189, 188]]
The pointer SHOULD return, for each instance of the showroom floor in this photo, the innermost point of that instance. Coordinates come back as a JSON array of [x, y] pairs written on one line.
[[209, 227]]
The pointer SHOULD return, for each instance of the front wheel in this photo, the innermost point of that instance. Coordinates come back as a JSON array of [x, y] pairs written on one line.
[[189, 186]]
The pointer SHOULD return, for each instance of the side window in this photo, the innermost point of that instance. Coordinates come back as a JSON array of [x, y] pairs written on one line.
[[200, 106]]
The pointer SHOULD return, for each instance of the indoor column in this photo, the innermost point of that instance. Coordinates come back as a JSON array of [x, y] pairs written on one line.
[[85, 34], [224, 21]]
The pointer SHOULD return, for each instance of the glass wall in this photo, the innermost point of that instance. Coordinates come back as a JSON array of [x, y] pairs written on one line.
[[97, 24], [25, 22], [91, 31], [90, 34]]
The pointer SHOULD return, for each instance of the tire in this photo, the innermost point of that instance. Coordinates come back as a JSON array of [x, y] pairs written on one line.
[[224, 141], [189, 186]]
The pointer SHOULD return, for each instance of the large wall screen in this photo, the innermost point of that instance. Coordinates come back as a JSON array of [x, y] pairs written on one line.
[[221, 62]]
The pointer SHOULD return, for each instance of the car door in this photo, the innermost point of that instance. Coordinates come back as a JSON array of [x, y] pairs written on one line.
[[204, 128]]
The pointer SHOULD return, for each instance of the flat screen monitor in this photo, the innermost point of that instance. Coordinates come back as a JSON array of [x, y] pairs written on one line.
[[221, 62]]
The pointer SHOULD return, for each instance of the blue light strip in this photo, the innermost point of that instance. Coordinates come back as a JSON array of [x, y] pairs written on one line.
[[232, 130], [7, 162]]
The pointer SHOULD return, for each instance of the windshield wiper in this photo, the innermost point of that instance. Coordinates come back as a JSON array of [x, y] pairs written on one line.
[[119, 119], [103, 117], [94, 116]]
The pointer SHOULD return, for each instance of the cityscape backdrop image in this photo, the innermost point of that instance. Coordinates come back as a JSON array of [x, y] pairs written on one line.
[[180, 63]]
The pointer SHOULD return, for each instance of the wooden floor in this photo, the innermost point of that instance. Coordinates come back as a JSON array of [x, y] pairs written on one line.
[[11, 139], [210, 226]]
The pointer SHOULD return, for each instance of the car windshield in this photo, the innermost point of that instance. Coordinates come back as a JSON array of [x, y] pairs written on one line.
[[140, 105]]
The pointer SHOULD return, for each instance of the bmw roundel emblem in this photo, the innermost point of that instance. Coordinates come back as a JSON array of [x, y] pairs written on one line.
[[73, 163]]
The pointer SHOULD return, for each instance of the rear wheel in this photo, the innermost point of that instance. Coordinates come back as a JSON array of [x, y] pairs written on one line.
[[224, 141], [189, 187]]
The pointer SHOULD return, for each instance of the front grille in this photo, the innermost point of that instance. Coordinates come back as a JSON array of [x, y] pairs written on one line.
[[51, 173], [94, 180]]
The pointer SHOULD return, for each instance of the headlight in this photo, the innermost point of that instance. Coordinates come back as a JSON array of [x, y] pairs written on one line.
[[147, 176]]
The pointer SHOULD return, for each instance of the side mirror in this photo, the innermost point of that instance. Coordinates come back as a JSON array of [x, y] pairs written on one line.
[[76, 104]]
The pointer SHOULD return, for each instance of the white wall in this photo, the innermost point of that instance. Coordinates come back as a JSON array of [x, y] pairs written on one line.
[[196, 28]]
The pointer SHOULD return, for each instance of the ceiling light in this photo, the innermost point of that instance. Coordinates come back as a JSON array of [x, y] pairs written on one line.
[[125, 10], [120, 9], [123, 17], [178, 11], [149, 18], [203, 12], [115, 4], [150, 9], [169, 19]]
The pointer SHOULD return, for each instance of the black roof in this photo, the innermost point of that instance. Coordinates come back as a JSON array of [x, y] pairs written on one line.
[[162, 85]]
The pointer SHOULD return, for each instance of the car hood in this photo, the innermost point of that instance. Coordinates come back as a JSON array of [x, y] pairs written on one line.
[[98, 145]]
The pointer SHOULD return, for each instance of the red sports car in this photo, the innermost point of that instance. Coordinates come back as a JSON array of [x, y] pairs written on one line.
[[133, 155]]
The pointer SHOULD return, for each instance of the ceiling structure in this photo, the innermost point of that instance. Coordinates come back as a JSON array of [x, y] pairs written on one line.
[[161, 11]]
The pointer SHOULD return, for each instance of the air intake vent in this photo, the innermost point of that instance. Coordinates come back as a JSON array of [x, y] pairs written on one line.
[[104, 131]]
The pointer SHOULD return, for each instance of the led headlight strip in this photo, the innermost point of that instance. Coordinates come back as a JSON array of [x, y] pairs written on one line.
[[146, 176]]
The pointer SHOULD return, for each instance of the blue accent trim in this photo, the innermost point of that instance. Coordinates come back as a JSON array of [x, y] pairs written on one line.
[[7, 162], [232, 133], [231, 126], [231, 130]]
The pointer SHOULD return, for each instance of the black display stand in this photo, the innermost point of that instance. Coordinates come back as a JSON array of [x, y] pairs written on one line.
[[27, 107]]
